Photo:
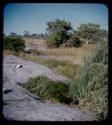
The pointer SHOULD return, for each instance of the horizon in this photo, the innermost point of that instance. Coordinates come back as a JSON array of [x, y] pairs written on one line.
[[20, 17]]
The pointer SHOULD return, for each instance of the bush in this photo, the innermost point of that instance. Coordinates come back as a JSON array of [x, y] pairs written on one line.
[[14, 43], [53, 41], [48, 89], [75, 41]]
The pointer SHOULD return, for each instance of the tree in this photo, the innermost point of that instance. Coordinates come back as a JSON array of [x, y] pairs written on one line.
[[58, 26], [59, 29], [91, 33]]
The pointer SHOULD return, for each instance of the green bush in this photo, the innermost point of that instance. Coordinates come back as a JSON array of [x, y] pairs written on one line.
[[53, 41], [14, 43], [48, 89]]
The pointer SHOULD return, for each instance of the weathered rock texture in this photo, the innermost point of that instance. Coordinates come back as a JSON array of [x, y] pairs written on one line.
[[19, 105]]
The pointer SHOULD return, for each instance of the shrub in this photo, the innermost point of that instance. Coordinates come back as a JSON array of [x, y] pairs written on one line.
[[14, 43], [75, 41], [48, 89], [53, 41]]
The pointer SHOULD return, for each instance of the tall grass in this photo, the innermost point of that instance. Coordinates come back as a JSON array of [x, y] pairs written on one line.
[[91, 87], [71, 54]]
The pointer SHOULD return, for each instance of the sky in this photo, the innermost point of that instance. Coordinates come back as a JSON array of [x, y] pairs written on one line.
[[20, 17]]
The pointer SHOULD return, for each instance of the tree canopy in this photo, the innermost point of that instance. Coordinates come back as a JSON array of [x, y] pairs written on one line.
[[58, 32], [58, 26], [91, 33]]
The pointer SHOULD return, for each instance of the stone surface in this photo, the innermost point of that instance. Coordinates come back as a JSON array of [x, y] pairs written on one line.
[[19, 105]]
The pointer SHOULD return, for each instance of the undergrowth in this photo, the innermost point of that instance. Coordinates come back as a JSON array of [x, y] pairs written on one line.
[[48, 89], [91, 86]]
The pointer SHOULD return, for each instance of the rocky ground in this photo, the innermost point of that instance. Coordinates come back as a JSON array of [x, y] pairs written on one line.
[[20, 105]]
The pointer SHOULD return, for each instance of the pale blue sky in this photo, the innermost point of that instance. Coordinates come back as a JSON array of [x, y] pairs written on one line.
[[19, 17]]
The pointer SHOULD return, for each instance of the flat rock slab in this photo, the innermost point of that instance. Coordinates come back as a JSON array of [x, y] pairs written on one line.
[[19, 105]]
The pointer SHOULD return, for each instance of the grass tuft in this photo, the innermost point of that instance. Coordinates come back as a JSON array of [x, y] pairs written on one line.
[[48, 89]]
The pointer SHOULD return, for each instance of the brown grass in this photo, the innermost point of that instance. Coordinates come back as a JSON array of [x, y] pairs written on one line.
[[8, 52], [74, 55], [38, 42]]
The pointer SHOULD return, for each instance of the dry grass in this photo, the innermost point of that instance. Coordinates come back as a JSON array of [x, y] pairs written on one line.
[[7, 52], [74, 55], [38, 42], [71, 55]]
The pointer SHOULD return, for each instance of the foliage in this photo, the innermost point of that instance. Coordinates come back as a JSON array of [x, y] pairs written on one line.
[[58, 26], [48, 89], [58, 32], [91, 87], [91, 33], [14, 43], [68, 71], [53, 41], [75, 41]]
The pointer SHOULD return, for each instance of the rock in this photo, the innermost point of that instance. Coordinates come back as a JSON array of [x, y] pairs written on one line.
[[19, 66], [22, 106]]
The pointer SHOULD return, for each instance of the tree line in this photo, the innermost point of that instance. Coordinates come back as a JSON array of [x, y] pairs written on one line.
[[60, 33]]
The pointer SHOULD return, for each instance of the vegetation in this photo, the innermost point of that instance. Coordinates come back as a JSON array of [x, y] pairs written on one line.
[[91, 33], [75, 41], [58, 32], [15, 44], [34, 52], [53, 41], [66, 69], [88, 86], [72, 54], [48, 89], [88, 83], [91, 87]]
